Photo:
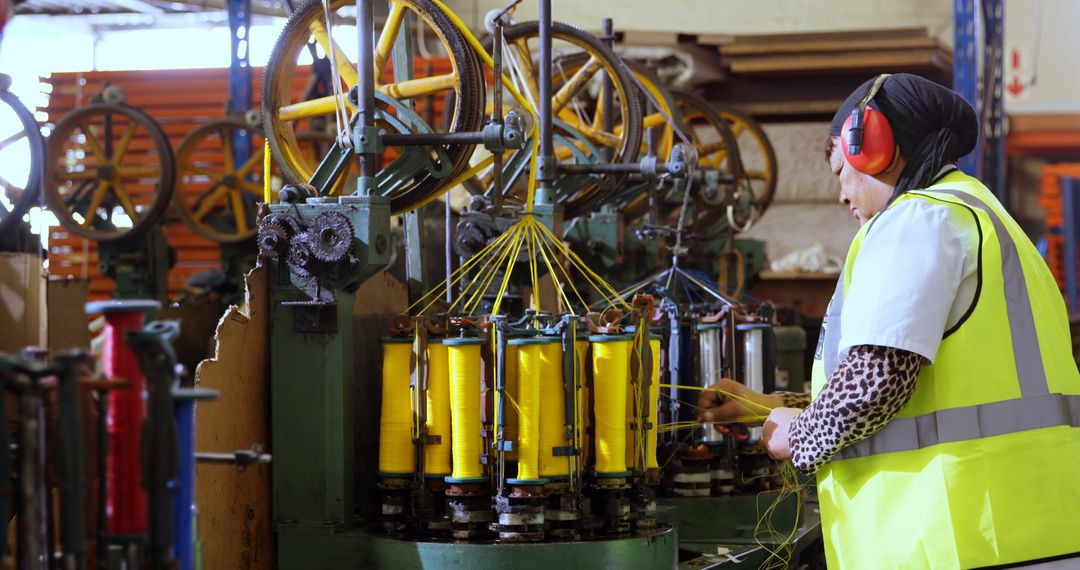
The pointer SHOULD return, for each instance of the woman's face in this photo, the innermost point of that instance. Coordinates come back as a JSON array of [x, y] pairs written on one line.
[[863, 194]]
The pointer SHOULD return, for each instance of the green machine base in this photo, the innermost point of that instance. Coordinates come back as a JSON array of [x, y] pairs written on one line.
[[356, 549]]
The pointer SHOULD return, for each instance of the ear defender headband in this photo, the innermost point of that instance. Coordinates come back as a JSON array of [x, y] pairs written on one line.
[[867, 138]]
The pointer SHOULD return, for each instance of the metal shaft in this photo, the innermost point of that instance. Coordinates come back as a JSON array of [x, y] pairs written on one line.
[[496, 116], [73, 486], [30, 530], [365, 70], [608, 121], [545, 175]]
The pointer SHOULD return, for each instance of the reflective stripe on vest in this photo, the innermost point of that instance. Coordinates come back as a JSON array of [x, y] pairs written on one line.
[[1035, 409]]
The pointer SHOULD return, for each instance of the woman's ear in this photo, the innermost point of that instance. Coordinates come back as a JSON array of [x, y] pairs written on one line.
[[896, 162]]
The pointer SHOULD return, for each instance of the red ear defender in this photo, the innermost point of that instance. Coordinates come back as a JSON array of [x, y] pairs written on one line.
[[876, 151]]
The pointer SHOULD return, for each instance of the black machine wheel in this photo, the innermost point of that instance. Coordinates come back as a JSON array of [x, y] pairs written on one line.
[[20, 138]]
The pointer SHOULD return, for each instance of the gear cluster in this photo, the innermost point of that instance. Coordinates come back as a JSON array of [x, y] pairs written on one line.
[[308, 248]]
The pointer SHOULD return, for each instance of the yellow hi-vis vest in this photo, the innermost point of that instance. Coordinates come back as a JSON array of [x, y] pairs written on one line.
[[982, 466]]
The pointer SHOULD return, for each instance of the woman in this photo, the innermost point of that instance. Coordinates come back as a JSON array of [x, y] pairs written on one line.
[[945, 423]]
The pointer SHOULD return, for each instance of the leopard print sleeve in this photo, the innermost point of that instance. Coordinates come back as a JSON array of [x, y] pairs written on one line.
[[867, 390], [794, 399]]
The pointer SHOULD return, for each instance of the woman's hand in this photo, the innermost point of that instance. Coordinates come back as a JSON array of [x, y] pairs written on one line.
[[714, 406], [774, 437]]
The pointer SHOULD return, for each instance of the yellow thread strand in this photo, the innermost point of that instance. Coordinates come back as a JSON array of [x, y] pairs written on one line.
[[511, 394], [466, 441], [583, 407], [610, 361], [268, 194], [488, 276], [437, 455], [395, 425], [544, 248], [654, 405], [436, 294], [477, 286], [511, 258], [530, 371], [519, 238], [552, 411], [723, 393]]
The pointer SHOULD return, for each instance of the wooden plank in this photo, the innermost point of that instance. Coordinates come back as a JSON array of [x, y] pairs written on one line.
[[796, 63], [234, 506], [1023, 123], [887, 33], [826, 46]]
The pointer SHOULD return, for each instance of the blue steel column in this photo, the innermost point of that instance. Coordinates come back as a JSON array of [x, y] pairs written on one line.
[[240, 74], [1070, 203], [993, 111], [966, 69], [981, 37]]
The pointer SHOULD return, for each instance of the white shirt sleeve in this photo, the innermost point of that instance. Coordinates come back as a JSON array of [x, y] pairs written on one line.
[[906, 278]]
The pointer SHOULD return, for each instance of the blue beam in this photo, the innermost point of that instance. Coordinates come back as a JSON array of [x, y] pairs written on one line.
[[966, 68], [240, 74], [1070, 203]]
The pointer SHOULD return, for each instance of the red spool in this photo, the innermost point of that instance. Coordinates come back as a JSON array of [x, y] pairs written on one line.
[[126, 500]]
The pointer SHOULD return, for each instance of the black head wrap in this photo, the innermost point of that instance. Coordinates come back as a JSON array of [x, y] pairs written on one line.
[[933, 125]]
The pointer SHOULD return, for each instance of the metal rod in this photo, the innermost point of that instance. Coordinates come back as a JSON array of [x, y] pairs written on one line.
[[449, 250], [103, 480], [365, 69], [429, 139], [30, 527], [609, 168], [500, 400], [608, 124], [72, 461], [496, 116], [238, 458], [545, 171]]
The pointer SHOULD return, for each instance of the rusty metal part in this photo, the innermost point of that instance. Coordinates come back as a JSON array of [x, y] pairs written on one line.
[[331, 237]]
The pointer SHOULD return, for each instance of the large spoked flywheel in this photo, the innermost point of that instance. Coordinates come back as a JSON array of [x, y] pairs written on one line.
[[580, 63], [111, 172], [285, 115], [215, 194]]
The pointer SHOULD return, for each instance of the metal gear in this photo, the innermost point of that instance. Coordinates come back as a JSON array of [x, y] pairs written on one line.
[[331, 237], [301, 258], [289, 223], [273, 240]]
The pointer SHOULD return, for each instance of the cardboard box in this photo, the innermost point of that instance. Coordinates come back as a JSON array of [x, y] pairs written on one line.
[[22, 302]]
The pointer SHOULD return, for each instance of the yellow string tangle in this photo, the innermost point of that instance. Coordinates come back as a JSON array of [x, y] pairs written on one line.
[[488, 274], [466, 440], [437, 455], [611, 359], [395, 429]]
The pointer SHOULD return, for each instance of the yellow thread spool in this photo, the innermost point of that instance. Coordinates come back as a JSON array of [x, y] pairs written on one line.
[[530, 372], [610, 365], [395, 424], [437, 455], [466, 441], [654, 405], [511, 394], [584, 441], [552, 411]]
